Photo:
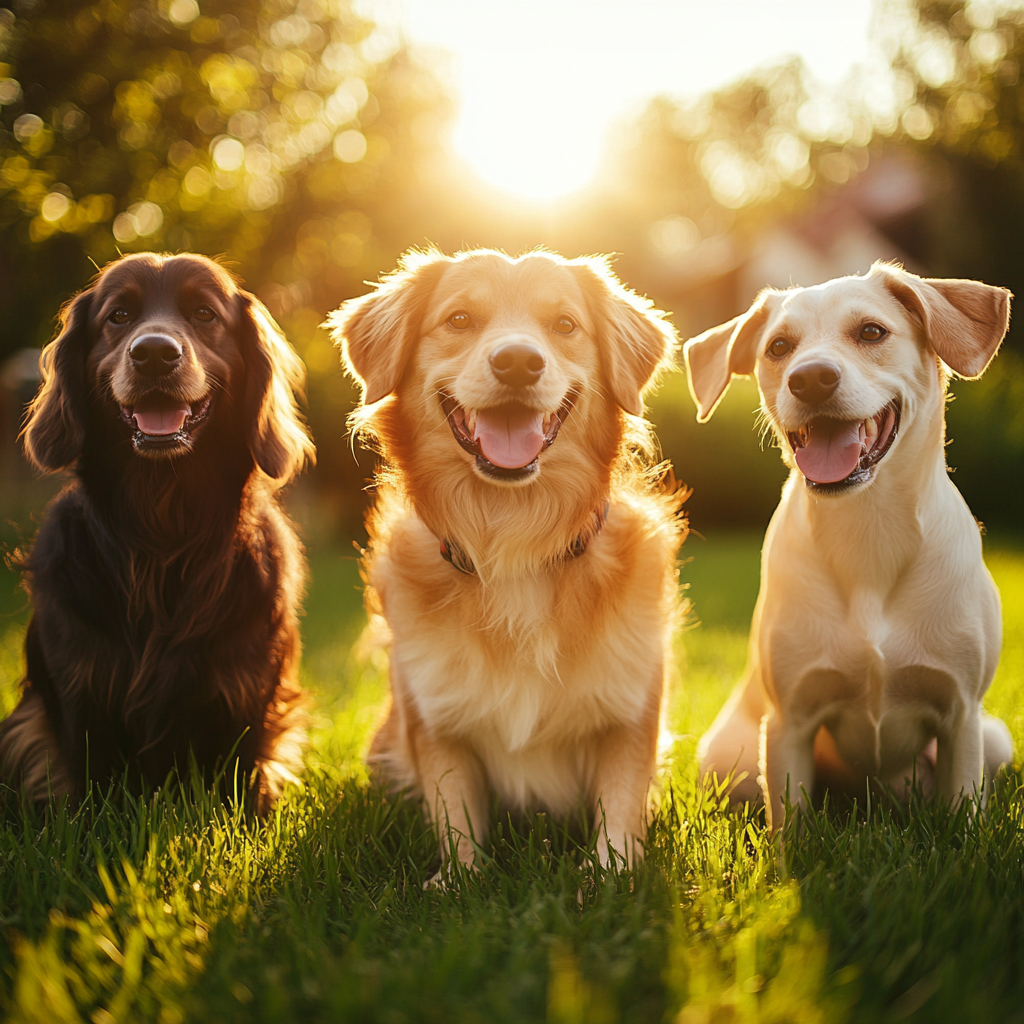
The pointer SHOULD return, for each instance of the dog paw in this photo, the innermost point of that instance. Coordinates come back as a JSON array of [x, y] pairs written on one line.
[[449, 877], [440, 881]]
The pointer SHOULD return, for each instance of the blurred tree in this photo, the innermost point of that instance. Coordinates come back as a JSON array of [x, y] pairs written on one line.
[[689, 187], [276, 133], [960, 65], [296, 138], [281, 134], [692, 184]]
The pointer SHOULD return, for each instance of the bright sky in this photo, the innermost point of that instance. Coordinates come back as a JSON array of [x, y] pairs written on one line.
[[540, 81]]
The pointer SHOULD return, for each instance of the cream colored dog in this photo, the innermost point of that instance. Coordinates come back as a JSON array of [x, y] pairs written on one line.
[[520, 558], [877, 628]]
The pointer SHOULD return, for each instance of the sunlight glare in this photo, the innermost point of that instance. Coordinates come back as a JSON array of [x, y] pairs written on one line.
[[532, 140], [539, 82]]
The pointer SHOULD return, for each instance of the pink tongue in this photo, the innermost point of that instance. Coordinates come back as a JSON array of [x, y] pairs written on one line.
[[509, 436], [832, 451], [161, 417]]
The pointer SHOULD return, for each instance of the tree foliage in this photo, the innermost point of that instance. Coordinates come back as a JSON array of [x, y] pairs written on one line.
[[695, 183], [295, 138], [273, 133]]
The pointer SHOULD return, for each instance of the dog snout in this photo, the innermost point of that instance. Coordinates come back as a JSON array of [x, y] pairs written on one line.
[[154, 355], [814, 383], [518, 364]]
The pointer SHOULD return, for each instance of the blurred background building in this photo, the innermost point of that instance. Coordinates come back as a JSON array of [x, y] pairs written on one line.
[[310, 146]]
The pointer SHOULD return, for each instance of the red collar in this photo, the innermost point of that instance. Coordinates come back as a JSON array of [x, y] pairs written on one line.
[[452, 551]]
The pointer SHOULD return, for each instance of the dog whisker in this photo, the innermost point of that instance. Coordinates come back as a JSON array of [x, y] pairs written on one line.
[[765, 428]]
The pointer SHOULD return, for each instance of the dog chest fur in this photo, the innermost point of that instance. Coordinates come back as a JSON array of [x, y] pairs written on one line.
[[505, 396], [530, 670], [878, 624], [884, 660]]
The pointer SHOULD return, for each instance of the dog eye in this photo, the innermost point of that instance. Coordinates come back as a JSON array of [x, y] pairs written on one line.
[[779, 347], [205, 314], [119, 316], [563, 325], [872, 332], [460, 321]]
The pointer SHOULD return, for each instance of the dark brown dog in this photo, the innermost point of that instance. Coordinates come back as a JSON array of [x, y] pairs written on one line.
[[165, 578]]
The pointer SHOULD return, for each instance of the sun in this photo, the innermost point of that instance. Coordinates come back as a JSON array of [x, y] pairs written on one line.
[[528, 141], [541, 83]]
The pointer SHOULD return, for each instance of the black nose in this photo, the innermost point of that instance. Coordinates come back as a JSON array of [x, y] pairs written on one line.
[[518, 364], [815, 382], [155, 354]]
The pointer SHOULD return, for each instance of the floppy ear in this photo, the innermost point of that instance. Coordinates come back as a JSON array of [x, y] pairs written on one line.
[[275, 377], [714, 357], [635, 339], [378, 331], [55, 427], [964, 321]]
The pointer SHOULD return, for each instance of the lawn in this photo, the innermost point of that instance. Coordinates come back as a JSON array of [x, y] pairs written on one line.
[[177, 909]]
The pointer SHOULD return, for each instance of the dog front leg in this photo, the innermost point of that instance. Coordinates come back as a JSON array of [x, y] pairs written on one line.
[[788, 766], [626, 759], [959, 759], [454, 791], [624, 775], [732, 745]]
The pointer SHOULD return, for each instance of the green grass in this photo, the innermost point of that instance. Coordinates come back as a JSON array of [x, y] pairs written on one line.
[[175, 908]]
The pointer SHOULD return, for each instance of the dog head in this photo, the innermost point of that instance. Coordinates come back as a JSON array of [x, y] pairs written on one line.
[[501, 367], [174, 351], [846, 366]]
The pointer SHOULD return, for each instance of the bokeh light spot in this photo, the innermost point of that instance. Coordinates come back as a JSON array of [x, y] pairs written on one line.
[[10, 91], [26, 126], [197, 182], [228, 154], [673, 237], [183, 12], [139, 221], [54, 206], [350, 146]]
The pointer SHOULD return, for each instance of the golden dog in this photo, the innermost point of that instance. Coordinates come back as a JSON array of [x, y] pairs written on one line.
[[521, 553], [877, 628]]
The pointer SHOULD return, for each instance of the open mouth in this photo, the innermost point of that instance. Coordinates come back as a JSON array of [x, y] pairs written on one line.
[[506, 440], [163, 423], [836, 454]]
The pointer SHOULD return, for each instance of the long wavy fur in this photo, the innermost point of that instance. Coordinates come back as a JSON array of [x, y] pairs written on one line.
[[165, 590]]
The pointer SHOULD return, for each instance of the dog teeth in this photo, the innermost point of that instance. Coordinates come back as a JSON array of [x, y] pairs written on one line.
[[871, 428], [471, 421]]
